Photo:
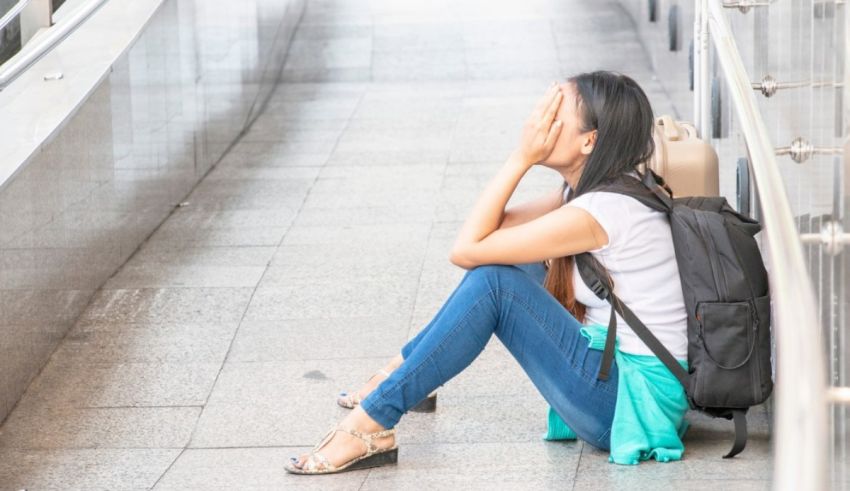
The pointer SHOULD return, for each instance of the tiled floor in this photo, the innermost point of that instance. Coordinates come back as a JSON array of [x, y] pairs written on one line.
[[314, 250]]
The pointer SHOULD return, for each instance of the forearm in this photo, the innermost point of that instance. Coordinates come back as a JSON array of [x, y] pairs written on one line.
[[537, 141], [487, 213]]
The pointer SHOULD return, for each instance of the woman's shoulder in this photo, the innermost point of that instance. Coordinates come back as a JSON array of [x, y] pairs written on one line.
[[608, 199], [608, 196], [608, 204]]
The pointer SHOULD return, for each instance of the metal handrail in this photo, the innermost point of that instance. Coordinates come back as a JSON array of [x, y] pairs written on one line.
[[12, 13], [801, 414], [33, 52]]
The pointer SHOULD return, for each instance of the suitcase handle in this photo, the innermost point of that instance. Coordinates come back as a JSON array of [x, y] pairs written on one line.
[[671, 129]]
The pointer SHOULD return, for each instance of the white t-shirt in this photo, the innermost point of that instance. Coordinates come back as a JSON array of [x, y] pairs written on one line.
[[640, 259]]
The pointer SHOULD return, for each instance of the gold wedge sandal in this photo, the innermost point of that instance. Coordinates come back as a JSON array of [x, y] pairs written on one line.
[[317, 463], [427, 405]]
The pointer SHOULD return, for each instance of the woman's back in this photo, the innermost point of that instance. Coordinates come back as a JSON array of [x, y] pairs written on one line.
[[641, 261]]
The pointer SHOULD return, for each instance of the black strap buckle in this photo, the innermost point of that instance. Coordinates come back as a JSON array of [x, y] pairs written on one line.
[[599, 289]]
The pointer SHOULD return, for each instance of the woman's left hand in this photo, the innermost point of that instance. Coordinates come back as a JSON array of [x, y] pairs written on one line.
[[541, 131]]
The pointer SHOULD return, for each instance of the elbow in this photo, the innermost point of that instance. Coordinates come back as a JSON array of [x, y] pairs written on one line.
[[458, 258]]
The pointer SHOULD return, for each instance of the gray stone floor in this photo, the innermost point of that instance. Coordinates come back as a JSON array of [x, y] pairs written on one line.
[[314, 250]]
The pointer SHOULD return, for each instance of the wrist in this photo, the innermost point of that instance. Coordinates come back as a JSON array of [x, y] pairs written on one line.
[[519, 158]]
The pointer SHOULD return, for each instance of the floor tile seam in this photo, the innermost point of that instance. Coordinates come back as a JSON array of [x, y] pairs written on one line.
[[371, 55], [184, 449], [457, 402], [95, 323], [524, 392], [578, 465], [464, 57], [14, 448], [223, 363], [425, 258], [95, 293], [164, 286], [365, 478], [182, 287], [98, 325], [70, 408], [647, 53], [405, 444], [104, 365], [256, 287], [316, 178], [365, 275], [168, 468], [558, 58], [300, 360]]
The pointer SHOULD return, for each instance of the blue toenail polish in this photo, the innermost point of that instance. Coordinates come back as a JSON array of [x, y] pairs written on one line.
[[343, 393]]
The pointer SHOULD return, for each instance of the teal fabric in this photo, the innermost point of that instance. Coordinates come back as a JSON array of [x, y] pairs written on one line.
[[649, 416], [556, 429]]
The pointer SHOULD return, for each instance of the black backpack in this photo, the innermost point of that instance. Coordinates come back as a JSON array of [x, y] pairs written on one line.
[[725, 288]]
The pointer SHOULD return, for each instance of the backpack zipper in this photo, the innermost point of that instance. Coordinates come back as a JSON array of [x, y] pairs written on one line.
[[755, 373]]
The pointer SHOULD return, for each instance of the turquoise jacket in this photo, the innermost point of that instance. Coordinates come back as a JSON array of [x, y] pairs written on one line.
[[649, 415]]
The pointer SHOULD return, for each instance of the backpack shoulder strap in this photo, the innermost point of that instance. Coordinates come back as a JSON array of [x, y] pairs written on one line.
[[592, 273], [651, 341], [646, 189]]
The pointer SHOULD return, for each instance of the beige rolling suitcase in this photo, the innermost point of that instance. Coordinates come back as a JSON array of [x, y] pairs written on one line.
[[687, 164]]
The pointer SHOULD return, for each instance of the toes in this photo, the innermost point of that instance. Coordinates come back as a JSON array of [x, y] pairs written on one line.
[[297, 462]]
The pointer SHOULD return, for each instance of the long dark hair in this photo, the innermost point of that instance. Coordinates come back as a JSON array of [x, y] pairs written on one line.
[[617, 108]]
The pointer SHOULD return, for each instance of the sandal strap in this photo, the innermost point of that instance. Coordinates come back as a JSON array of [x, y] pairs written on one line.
[[325, 439], [319, 457], [367, 437], [354, 397], [383, 433]]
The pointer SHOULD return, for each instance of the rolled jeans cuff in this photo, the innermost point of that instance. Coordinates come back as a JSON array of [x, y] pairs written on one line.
[[384, 414]]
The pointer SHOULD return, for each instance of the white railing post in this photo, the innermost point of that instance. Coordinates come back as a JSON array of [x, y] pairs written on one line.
[[38, 14], [697, 56], [702, 75], [16, 65]]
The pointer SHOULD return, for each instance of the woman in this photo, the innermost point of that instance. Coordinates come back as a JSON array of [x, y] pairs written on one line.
[[520, 286]]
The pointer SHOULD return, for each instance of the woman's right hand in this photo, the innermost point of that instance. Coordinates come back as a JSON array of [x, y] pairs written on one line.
[[541, 130]]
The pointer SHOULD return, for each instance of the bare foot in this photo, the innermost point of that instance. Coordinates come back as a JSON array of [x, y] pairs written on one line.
[[343, 446]]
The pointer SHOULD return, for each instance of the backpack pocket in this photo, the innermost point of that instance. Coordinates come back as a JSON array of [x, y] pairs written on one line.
[[728, 338]]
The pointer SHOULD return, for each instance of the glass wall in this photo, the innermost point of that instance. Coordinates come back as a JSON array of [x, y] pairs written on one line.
[[10, 36], [162, 117]]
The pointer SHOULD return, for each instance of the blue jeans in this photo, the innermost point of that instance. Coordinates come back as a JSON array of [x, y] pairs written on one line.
[[510, 302]]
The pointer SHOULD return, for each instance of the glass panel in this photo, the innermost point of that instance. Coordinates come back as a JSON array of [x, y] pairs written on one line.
[[10, 36], [162, 117]]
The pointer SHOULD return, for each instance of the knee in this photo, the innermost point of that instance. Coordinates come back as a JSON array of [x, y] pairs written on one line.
[[492, 269], [536, 270], [494, 272]]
